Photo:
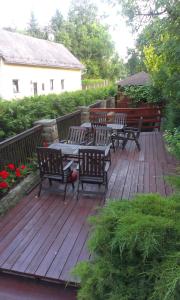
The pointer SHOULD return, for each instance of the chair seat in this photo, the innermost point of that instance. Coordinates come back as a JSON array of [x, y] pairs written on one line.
[[91, 179], [53, 177]]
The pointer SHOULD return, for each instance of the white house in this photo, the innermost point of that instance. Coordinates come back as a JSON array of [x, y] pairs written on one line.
[[30, 66]]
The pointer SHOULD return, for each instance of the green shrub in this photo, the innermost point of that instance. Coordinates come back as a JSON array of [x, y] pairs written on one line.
[[92, 81], [147, 94], [19, 115], [172, 138], [135, 250]]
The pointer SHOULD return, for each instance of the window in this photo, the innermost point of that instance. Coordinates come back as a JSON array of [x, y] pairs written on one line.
[[15, 83], [43, 87], [62, 84], [35, 88], [51, 84]]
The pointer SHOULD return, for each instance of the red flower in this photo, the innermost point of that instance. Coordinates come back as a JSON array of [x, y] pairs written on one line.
[[11, 167], [4, 174], [18, 173], [23, 167], [3, 185]]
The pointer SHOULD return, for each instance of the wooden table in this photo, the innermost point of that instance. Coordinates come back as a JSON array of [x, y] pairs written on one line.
[[71, 150], [113, 126]]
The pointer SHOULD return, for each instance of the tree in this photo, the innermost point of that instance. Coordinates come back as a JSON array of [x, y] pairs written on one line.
[[87, 39], [159, 44], [140, 12], [135, 63], [34, 29]]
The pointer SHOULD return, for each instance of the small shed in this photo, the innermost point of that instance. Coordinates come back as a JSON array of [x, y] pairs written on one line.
[[141, 78]]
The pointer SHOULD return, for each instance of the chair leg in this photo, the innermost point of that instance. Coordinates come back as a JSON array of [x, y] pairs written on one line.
[[137, 144], [124, 143], [50, 182], [65, 191], [40, 187], [77, 198], [73, 185]]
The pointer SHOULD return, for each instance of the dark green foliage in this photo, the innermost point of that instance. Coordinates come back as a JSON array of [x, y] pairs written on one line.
[[135, 249], [172, 139], [146, 94], [19, 115]]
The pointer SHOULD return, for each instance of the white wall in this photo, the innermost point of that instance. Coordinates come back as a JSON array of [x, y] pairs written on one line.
[[26, 75]]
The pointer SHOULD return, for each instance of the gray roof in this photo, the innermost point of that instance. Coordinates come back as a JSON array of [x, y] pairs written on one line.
[[16, 48], [141, 78]]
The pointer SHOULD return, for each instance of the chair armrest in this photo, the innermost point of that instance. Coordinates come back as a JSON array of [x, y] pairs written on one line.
[[83, 143], [69, 164], [63, 141], [127, 129]]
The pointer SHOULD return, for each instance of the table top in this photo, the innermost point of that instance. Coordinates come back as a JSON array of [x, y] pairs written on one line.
[[113, 126], [72, 149]]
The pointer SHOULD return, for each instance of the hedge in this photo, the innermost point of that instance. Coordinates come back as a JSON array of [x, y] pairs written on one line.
[[135, 249], [19, 115]]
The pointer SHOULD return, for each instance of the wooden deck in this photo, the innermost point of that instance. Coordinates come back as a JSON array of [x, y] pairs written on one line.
[[45, 238]]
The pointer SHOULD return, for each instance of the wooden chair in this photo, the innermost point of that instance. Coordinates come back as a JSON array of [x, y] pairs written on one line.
[[93, 168], [120, 118], [118, 135], [77, 135], [102, 137], [53, 167], [132, 134], [98, 117]]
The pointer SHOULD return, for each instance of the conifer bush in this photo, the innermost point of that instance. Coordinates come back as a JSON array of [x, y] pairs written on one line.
[[135, 249]]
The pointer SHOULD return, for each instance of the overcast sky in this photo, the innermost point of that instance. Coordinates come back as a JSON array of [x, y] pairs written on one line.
[[17, 13]]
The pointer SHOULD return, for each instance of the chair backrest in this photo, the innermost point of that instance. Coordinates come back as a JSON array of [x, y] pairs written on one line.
[[91, 163], [97, 124], [98, 117], [140, 123], [77, 135], [50, 161], [120, 118], [102, 136]]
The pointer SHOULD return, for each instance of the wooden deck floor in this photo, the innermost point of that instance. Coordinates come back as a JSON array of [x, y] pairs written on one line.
[[45, 238]]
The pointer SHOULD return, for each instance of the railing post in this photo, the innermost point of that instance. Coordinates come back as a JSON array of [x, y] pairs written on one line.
[[84, 113], [110, 102], [49, 132]]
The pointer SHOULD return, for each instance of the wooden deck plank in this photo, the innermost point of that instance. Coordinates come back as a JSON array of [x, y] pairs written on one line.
[[135, 177], [26, 235], [67, 245], [140, 188], [45, 238], [9, 233], [35, 237], [45, 246], [53, 251]]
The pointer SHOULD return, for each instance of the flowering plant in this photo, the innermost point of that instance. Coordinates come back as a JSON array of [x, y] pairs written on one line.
[[11, 175]]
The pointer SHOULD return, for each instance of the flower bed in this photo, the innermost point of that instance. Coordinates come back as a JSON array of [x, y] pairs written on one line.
[[11, 176], [15, 182]]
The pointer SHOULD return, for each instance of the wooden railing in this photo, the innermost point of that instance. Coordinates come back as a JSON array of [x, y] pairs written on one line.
[[64, 122], [21, 147], [151, 116], [95, 85]]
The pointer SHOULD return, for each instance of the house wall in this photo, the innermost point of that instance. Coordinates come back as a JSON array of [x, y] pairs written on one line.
[[27, 75]]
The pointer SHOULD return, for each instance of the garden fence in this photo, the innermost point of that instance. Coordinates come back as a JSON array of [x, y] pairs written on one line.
[[20, 148], [64, 122]]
